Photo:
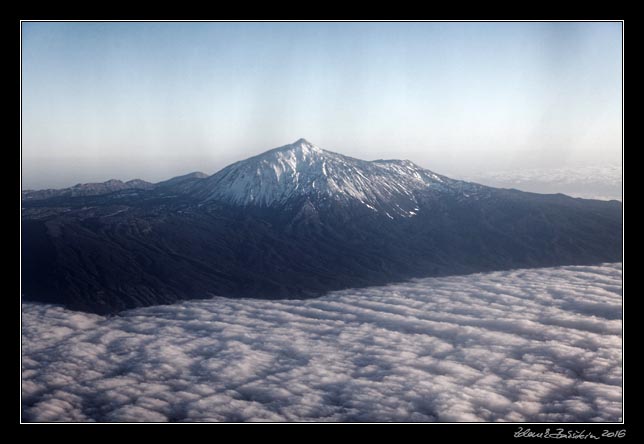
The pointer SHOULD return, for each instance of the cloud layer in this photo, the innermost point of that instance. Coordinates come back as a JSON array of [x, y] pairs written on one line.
[[538, 345]]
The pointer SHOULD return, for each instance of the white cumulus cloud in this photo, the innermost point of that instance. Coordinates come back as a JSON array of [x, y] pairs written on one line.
[[535, 345]]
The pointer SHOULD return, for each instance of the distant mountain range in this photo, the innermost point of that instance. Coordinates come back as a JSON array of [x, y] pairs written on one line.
[[294, 222], [88, 189], [590, 182], [110, 186]]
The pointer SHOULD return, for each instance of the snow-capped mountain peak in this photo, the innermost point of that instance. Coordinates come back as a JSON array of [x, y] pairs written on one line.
[[302, 169], [301, 145]]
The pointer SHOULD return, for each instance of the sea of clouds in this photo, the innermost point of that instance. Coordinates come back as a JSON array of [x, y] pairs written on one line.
[[536, 345]]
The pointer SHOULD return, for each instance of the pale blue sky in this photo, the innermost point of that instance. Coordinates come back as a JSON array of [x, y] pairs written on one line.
[[154, 100]]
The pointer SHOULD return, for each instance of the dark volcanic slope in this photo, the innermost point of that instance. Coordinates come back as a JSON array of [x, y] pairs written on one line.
[[296, 222]]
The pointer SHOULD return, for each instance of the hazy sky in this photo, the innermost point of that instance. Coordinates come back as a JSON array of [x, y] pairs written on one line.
[[154, 100]]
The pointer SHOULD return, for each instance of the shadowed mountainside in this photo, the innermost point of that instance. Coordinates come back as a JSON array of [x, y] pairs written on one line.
[[296, 222]]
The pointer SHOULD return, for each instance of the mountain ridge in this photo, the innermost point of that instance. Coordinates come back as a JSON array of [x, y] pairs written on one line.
[[109, 186], [363, 223]]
